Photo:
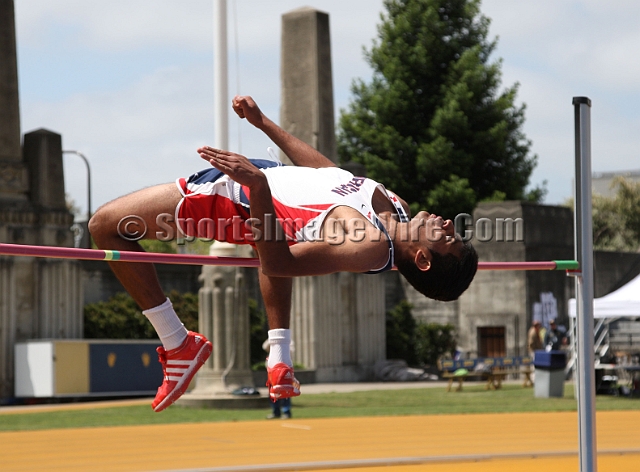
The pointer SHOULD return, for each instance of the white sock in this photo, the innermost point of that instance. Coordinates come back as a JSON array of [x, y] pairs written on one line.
[[280, 342], [170, 329]]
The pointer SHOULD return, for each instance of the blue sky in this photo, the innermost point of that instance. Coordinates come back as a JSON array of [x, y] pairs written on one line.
[[129, 83]]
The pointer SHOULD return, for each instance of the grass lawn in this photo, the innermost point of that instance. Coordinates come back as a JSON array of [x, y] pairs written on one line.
[[427, 401]]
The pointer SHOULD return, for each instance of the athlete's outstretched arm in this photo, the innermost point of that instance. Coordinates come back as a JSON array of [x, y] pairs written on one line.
[[270, 247], [300, 153]]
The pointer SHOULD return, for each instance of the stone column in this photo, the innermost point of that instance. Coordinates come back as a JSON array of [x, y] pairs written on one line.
[[13, 172], [337, 320], [224, 319], [307, 90], [338, 324], [9, 110], [38, 297], [60, 295], [7, 324], [43, 154]]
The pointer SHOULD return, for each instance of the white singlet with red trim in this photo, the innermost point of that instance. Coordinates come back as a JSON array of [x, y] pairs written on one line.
[[308, 195], [213, 204]]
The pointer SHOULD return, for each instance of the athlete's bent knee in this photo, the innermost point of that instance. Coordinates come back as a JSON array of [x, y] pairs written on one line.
[[99, 224]]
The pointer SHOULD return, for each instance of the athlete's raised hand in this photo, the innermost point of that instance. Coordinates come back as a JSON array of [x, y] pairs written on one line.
[[236, 166], [246, 107]]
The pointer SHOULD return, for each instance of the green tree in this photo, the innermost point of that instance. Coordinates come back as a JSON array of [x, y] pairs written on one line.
[[189, 246], [434, 340], [417, 343], [616, 220], [258, 333], [163, 247], [400, 333], [121, 318], [432, 124]]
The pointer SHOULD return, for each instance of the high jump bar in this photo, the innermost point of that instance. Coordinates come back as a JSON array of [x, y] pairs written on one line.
[[193, 259]]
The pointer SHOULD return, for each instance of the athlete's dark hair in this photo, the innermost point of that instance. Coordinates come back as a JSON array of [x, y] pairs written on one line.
[[447, 277]]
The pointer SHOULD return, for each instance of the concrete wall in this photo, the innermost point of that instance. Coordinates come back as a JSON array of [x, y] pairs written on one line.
[[99, 283], [506, 298]]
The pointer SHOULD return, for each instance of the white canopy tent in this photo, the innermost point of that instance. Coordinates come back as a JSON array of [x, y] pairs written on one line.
[[621, 303]]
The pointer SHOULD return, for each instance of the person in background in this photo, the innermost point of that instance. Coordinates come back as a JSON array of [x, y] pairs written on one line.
[[553, 337], [534, 341]]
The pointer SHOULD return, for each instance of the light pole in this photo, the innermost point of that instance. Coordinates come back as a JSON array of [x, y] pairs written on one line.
[[86, 161]]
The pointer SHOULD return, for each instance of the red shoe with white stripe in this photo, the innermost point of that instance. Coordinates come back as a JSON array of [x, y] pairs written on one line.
[[179, 366], [281, 382]]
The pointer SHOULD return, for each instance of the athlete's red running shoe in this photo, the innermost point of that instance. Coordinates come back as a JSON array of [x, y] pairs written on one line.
[[281, 382], [179, 366]]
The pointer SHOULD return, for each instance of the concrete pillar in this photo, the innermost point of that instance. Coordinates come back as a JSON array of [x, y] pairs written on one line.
[[38, 298], [13, 172], [9, 109], [43, 156], [60, 309], [338, 324], [338, 320], [307, 90], [7, 324], [224, 319]]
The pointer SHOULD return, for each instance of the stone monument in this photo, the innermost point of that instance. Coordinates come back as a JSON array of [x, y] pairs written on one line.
[[13, 171], [306, 80], [39, 298], [223, 316], [337, 320]]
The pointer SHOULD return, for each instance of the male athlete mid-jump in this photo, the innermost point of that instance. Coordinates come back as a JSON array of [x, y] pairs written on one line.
[[309, 219]]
